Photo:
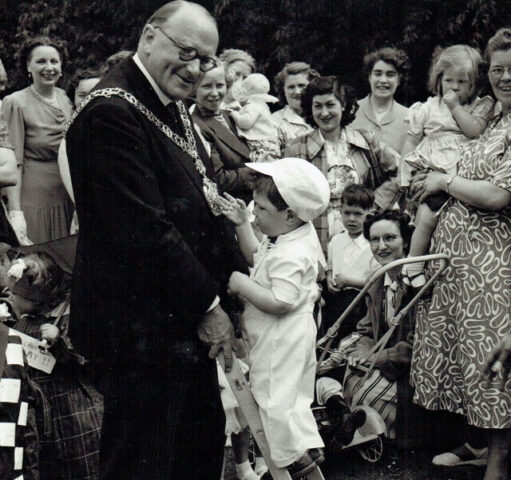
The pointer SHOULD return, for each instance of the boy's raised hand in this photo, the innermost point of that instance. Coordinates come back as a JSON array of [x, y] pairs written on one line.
[[235, 210]]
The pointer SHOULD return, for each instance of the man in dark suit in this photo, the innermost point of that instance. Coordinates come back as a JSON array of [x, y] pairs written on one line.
[[153, 257]]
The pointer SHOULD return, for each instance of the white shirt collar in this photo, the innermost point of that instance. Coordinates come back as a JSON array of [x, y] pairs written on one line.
[[388, 282], [359, 241], [292, 117], [164, 99]]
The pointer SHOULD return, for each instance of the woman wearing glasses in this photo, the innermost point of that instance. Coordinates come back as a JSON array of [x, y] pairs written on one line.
[[469, 313], [387, 389]]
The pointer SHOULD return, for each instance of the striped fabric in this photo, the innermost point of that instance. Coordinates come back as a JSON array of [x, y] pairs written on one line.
[[18, 436], [377, 392]]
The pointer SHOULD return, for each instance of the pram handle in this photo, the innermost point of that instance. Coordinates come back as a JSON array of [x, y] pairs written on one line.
[[332, 331]]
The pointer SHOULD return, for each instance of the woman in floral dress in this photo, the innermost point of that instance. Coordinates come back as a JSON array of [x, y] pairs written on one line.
[[469, 313]]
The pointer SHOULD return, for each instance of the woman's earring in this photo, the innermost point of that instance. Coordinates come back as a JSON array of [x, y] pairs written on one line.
[[29, 75]]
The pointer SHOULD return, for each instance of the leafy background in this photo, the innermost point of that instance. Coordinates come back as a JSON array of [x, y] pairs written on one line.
[[332, 35]]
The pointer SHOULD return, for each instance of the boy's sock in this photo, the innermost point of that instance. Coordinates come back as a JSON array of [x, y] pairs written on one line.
[[260, 466], [245, 472]]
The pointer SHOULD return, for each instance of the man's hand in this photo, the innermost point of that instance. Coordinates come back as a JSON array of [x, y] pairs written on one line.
[[216, 330], [49, 332]]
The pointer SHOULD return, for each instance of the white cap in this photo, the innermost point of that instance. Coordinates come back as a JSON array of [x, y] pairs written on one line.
[[302, 185]]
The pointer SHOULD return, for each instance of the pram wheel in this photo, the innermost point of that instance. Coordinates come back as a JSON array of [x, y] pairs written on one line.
[[373, 450]]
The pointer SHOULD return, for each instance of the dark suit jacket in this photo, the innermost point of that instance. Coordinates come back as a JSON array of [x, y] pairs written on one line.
[[151, 257], [149, 245], [229, 155]]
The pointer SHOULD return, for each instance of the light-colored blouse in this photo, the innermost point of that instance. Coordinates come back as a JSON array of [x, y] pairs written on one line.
[[35, 125]]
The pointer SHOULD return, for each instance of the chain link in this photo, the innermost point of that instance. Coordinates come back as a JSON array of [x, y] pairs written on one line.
[[187, 145]]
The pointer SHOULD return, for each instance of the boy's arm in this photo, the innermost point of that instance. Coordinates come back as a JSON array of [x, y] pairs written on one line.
[[236, 211], [259, 296], [248, 242], [352, 279]]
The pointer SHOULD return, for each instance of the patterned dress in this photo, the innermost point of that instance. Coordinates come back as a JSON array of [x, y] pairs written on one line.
[[470, 309]]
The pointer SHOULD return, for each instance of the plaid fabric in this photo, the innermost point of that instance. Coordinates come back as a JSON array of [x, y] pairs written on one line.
[[74, 410], [18, 434]]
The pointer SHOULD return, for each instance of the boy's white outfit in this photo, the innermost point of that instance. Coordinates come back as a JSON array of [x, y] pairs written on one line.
[[282, 353], [351, 256]]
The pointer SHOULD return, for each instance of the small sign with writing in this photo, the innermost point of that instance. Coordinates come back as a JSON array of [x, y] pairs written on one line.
[[38, 358]]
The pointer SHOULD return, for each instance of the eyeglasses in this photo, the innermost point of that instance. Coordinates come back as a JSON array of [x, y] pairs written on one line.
[[387, 239], [187, 54], [498, 72]]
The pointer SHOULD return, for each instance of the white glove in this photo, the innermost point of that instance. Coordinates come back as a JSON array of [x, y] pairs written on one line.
[[74, 224], [19, 226]]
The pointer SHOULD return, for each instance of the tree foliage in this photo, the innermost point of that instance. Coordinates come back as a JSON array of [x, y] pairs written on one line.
[[332, 35]]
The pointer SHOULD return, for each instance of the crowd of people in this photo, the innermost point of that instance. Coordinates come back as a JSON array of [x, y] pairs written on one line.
[[211, 216]]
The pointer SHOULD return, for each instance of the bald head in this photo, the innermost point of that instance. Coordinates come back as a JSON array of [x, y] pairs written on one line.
[[168, 37], [170, 9]]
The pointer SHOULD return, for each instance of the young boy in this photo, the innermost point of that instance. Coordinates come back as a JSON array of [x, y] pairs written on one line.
[[280, 293], [350, 261]]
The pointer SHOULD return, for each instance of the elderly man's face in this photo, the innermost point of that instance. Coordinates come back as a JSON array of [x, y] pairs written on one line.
[[189, 28]]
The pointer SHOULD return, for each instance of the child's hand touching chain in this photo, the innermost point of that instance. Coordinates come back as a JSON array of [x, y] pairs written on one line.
[[235, 210]]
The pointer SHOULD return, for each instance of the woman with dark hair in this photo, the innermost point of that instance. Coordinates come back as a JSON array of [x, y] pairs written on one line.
[[389, 235], [379, 112], [83, 81], [290, 83], [39, 206], [340, 152], [469, 313]]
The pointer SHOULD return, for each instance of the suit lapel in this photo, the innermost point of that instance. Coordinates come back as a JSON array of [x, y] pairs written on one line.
[[144, 92], [222, 133]]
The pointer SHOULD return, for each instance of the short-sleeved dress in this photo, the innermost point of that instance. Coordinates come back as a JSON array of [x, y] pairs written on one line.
[[35, 128], [469, 313], [440, 136]]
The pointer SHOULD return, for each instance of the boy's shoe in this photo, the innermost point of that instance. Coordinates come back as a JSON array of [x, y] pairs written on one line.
[[350, 423], [307, 463], [463, 455]]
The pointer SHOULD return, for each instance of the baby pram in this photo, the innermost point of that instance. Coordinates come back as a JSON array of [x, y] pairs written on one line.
[[368, 438]]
